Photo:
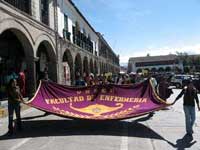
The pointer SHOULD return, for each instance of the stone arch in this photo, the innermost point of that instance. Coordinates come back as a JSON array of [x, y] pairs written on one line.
[[78, 65], [46, 60], [67, 58], [104, 68], [101, 67], [85, 65], [95, 68], [154, 69], [91, 66], [48, 39], [19, 29], [19, 53]]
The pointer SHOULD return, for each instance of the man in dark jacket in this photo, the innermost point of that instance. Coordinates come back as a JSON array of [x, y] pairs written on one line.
[[190, 95]]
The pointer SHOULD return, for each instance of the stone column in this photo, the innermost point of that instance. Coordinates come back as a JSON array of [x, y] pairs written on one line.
[[31, 76]]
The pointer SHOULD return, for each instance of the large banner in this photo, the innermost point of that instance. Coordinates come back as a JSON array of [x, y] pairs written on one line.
[[99, 102]]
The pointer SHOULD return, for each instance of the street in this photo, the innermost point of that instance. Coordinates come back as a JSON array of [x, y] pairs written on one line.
[[164, 131]]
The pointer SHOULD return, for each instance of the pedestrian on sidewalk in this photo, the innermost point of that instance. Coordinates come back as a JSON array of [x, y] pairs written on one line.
[[190, 95], [14, 99]]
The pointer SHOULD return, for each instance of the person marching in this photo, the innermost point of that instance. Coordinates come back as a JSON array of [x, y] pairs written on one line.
[[14, 99], [190, 95]]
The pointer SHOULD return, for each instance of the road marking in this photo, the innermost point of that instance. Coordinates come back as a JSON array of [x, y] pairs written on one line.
[[124, 138], [20, 144]]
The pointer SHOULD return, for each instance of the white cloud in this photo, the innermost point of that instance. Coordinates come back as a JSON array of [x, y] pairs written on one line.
[[195, 49]]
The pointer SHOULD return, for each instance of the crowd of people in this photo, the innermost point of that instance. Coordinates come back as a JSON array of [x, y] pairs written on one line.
[[107, 78], [5, 78], [160, 85]]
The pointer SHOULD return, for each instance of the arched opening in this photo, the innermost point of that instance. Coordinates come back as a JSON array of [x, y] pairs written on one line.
[[168, 69], [95, 68], [85, 66], [106, 68], [154, 70], [67, 76], [78, 65], [16, 57], [101, 67], [161, 69], [91, 66], [46, 66]]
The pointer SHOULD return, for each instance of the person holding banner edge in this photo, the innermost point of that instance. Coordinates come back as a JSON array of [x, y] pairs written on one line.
[[190, 95], [14, 99]]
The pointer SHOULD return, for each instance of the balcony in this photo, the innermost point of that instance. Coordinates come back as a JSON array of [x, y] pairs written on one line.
[[82, 41], [66, 34], [23, 5]]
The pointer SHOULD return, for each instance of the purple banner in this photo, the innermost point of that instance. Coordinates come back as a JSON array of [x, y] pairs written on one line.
[[99, 102]]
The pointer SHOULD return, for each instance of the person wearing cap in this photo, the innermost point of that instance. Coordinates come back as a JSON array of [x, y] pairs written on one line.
[[190, 95]]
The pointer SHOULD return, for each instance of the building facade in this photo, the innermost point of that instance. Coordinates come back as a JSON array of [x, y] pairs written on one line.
[[165, 63], [109, 61], [48, 35]]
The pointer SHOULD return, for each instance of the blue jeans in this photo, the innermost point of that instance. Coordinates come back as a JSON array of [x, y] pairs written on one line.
[[190, 117]]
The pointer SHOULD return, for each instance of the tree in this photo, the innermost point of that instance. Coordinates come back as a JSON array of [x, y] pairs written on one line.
[[161, 69], [139, 70], [183, 57], [186, 69]]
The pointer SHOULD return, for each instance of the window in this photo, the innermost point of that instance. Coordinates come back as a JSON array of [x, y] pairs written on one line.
[[23, 5], [66, 33], [45, 11], [65, 22]]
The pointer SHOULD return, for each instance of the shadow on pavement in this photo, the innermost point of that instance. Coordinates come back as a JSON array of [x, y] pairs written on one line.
[[37, 116], [185, 142], [43, 128]]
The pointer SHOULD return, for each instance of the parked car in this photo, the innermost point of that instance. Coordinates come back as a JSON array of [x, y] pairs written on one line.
[[196, 82], [180, 80]]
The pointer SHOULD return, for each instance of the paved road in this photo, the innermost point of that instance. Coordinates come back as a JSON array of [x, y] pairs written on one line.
[[164, 131]]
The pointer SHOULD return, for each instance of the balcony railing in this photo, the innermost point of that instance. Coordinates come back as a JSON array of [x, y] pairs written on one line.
[[66, 34], [82, 41], [23, 5]]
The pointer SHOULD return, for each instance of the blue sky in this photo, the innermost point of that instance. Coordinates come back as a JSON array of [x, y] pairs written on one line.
[[137, 27]]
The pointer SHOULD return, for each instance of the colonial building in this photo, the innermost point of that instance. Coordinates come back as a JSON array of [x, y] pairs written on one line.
[[109, 61], [165, 63], [49, 34]]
